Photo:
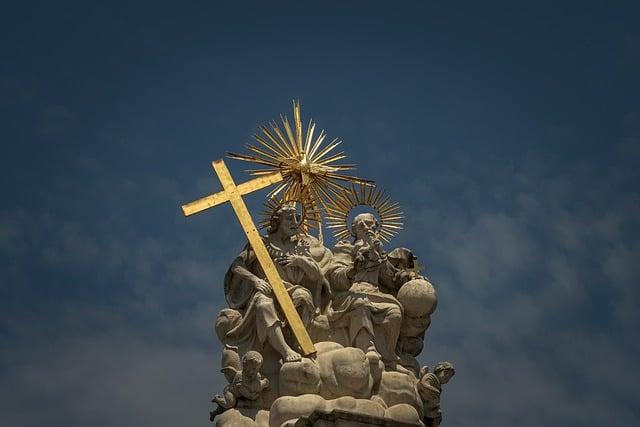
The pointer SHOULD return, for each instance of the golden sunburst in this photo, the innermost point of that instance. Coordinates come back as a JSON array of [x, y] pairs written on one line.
[[308, 165], [338, 209]]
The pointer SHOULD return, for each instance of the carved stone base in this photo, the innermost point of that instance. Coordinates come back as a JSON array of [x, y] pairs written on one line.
[[340, 418]]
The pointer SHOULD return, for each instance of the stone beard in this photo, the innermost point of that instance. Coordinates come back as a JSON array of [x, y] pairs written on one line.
[[367, 312]]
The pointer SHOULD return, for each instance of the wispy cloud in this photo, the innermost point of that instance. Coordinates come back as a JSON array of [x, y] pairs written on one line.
[[536, 298]]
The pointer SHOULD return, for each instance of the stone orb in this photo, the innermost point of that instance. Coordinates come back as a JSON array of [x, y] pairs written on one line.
[[418, 297]]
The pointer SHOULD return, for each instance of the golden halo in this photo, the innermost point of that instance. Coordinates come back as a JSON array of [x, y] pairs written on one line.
[[389, 214], [307, 166], [309, 212]]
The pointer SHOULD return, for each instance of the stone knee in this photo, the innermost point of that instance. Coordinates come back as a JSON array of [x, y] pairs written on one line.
[[263, 302]]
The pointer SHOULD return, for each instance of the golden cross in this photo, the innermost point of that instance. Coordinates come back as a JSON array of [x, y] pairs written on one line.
[[233, 194]]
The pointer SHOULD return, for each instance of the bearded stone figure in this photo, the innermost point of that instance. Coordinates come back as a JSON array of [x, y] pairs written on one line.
[[368, 316], [300, 259]]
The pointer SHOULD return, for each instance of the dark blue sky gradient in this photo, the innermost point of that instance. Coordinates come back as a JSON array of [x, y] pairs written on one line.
[[510, 134]]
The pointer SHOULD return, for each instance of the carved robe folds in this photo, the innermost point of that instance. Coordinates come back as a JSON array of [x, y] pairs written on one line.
[[360, 304], [308, 292]]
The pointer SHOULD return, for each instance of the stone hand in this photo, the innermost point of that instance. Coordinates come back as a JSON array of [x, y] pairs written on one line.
[[294, 261], [372, 238], [375, 242], [263, 286], [359, 261], [285, 260]]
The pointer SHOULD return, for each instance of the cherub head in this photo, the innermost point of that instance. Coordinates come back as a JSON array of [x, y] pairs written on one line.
[[444, 371], [251, 363], [429, 384]]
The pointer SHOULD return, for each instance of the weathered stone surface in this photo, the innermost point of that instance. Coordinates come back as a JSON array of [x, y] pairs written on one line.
[[418, 297], [345, 372], [289, 409], [339, 418], [243, 417], [335, 372], [370, 309], [298, 378], [398, 388]]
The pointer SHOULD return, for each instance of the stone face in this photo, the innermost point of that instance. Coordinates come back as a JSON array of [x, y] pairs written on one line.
[[367, 312]]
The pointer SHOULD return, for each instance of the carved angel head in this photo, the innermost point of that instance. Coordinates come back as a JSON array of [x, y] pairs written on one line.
[[251, 363], [444, 371]]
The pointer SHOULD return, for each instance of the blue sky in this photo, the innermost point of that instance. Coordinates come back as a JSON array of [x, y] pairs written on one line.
[[509, 132]]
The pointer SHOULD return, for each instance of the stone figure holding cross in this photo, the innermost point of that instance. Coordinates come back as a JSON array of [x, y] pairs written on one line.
[[299, 259]]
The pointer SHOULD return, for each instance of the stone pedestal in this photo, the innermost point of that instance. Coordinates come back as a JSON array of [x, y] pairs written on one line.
[[339, 418]]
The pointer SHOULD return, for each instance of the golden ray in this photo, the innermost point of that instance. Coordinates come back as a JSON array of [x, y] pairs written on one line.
[[284, 148], [318, 143], [275, 148], [307, 142], [309, 167]]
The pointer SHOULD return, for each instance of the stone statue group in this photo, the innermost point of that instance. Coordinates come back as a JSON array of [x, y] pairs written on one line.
[[366, 310]]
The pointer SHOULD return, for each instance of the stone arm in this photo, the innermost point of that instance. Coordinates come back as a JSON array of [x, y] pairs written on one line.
[[344, 276], [240, 269], [241, 283]]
